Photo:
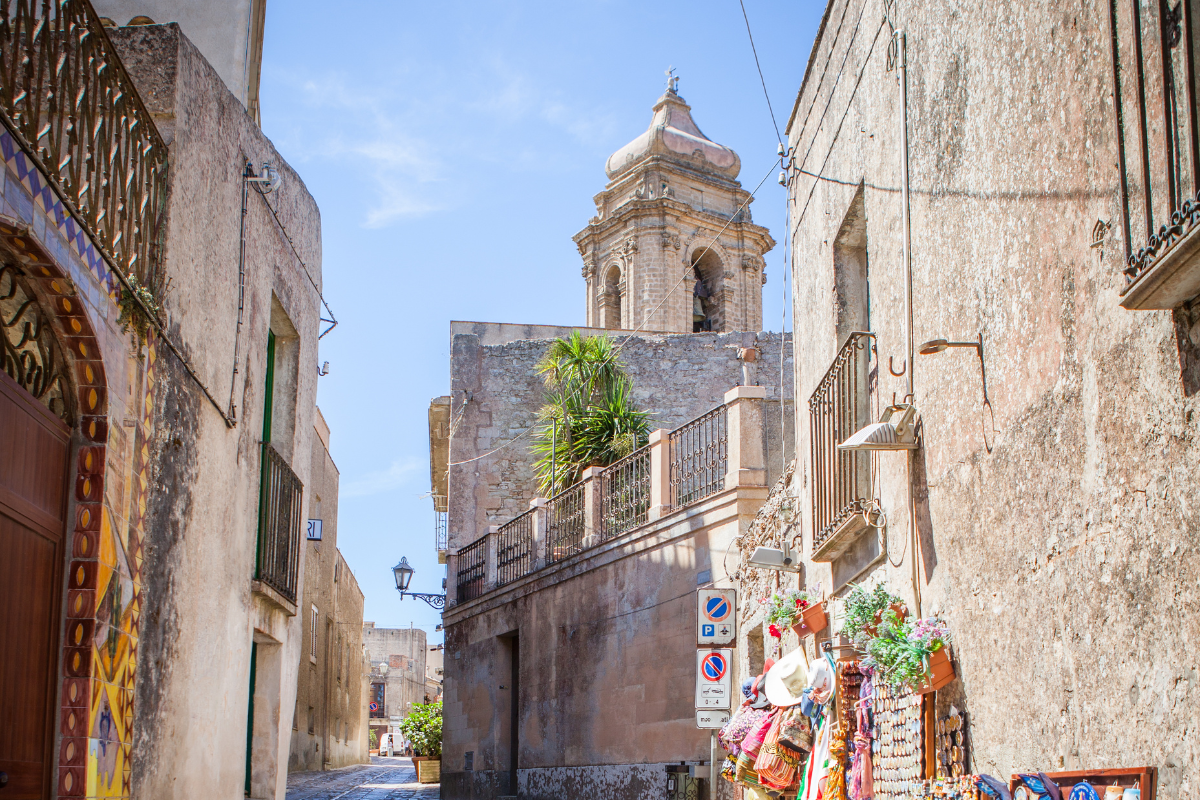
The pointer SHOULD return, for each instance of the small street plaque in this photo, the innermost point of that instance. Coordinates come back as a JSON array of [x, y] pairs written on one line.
[[711, 719]]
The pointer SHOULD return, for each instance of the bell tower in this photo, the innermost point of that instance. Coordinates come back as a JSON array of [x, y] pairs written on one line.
[[668, 249]]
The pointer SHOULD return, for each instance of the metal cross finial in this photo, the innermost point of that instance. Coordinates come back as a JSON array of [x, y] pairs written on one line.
[[672, 80]]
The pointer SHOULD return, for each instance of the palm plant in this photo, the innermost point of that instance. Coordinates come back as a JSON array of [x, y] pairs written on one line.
[[589, 417]]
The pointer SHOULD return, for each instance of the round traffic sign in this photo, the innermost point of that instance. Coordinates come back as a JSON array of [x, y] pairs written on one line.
[[374, 706], [717, 608], [713, 667]]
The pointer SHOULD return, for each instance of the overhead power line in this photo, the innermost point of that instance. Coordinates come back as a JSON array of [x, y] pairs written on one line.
[[754, 50]]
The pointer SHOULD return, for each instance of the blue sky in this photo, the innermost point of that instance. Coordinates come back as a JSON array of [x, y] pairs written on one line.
[[454, 149]]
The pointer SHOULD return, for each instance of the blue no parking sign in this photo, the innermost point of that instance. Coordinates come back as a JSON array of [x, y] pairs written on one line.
[[716, 616], [713, 678]]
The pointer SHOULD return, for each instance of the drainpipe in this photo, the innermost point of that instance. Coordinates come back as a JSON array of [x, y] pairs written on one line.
[[906, 202]]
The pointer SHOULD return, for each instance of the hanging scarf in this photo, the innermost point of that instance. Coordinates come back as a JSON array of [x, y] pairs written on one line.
[[835, 782], [862, 782]]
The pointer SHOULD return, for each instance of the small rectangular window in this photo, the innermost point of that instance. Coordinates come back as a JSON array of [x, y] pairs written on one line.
[[312, 635]]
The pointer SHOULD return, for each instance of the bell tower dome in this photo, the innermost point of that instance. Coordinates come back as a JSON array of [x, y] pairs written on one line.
[[668, 249]]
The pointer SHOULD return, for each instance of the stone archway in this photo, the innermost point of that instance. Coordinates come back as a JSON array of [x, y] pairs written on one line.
[[96, 627]]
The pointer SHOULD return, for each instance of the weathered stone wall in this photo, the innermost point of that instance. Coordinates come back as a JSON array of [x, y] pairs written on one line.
[[327, 730], [495, 396], [606, 644], [199, 614], [1058, 530]]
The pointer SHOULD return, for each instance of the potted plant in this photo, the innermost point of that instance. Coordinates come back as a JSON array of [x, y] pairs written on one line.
[[797, 609], [423, 729], [864, 612], [911, 655]]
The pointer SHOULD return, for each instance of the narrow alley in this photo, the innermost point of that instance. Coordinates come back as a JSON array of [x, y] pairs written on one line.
[[382, 779]]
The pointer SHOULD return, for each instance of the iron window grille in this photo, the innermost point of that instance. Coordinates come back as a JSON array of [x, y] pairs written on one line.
[[838, 408], [625, 494], [514, 548], [471, 567], [566, 527], [1155, 90], [699, 458], [440, 524], [279, 523]]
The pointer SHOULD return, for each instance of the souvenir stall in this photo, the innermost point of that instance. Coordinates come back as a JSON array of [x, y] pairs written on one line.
[[860, 721]]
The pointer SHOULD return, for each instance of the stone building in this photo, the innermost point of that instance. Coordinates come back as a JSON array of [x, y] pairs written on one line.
[[228, 33], [152, 493], [328, 727], [1049, 513], [672, 247], [570, 620], [397, 679]]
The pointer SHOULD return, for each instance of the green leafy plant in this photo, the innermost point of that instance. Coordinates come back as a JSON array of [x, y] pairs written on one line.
[[372, 739], [863, 611], [423, 728], [134, 302], [783, 609], [901, 650], [589, 417]]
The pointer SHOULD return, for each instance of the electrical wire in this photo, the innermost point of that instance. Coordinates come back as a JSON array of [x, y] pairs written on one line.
[[283, 229], [754, 50]]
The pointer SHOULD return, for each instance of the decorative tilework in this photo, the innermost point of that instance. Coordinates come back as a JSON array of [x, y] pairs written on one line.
[[103, 600]]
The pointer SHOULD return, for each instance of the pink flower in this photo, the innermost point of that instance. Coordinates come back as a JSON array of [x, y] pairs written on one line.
[[773, 629]]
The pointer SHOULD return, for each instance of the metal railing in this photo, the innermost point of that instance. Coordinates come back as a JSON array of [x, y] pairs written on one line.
[[279, 508], [699, 458], [565, 513], [73, 109], [625, 494], [514, 548], [441, 521], [838, 408], [472, 566]]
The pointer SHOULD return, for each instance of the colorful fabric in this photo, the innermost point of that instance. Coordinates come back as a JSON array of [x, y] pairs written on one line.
[[776, 769], [739, 726]]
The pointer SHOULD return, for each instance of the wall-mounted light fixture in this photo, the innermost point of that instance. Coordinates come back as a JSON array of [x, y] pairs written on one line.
[[935, 346], [775, 558], [266, 181], [886, 434]]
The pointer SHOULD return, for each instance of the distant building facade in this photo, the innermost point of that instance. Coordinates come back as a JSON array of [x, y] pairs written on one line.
[[397, 678], [328, 729]]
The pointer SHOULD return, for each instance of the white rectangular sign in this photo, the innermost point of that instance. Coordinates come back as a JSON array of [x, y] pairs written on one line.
[[314, 529], [711, 719], [714, 678], [716, 616]]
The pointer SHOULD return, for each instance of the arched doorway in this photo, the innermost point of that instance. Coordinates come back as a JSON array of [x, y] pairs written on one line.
[[36, 413]]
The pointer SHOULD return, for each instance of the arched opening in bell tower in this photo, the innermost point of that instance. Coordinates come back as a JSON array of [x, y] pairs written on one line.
[[708, 298], [610, 299]]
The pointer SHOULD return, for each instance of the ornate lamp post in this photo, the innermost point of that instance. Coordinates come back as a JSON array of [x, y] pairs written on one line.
[[403, 573]]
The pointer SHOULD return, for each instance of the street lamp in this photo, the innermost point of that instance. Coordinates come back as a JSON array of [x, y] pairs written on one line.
[[403, 574]]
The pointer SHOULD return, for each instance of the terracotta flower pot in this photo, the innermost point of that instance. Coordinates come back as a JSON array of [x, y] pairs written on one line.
[[941, 671], [812, 620], [872, 631]]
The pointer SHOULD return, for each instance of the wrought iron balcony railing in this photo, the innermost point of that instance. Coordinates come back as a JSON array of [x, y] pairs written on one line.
[[837, 409], [699, 458], [515, 555], [69, 103], [472, 566], [625, 494], [279, 509], [566, 512]]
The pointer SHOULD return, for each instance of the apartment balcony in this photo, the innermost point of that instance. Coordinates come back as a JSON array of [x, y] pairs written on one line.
[[706, 473]]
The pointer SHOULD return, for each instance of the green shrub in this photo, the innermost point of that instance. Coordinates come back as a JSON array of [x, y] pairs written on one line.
[[423, 728]]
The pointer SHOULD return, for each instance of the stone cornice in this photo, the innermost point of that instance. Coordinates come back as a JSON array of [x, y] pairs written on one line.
[[665, 212]]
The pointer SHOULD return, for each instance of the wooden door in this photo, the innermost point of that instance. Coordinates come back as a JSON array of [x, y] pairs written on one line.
[[34, 455]]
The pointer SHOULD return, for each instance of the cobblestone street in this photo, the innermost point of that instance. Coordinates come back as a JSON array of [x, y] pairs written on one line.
[[382, 779]]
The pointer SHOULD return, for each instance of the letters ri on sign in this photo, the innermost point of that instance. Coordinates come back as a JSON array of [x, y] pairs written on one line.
[[314, 529]]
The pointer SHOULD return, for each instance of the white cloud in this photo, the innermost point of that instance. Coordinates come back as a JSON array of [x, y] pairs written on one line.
[[380, 481]]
